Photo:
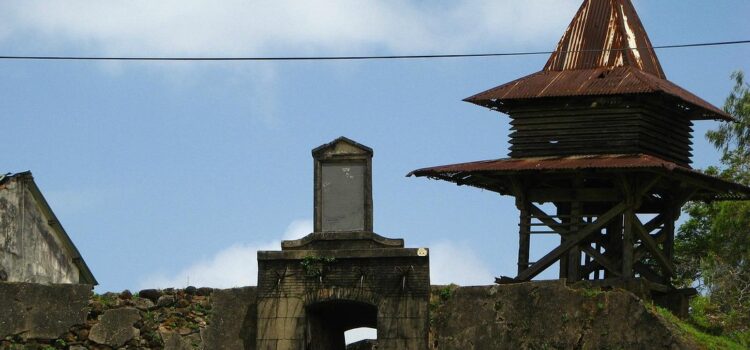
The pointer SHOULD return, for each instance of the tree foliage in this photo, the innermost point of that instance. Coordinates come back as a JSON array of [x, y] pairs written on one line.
[[713, 246]]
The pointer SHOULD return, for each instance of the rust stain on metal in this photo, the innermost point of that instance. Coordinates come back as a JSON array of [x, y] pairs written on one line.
[[604, 51], [594, 82], [460, 173], [616, 161], [624, 42]]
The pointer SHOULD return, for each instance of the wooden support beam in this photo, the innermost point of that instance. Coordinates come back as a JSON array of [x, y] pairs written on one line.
[[682, 199], [591, 266], [601, 260], [482, 181], [613, 243], [695, 182], [627, 244], [540, 215], [667, 233], [563, 210], [572, 240], [653, 248], [574, 194], [647, 273], [654, 223], [524, 224], [524, 240], [574, 254], [645, 188], [633, 197]]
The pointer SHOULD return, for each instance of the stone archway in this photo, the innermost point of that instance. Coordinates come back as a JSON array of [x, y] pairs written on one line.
[[327, 321]]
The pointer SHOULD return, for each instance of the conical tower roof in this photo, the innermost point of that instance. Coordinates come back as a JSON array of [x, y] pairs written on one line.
[[605, 33], [604, 51]]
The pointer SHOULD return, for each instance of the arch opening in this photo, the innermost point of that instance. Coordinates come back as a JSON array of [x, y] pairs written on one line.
[[328, 321], [358, 338]]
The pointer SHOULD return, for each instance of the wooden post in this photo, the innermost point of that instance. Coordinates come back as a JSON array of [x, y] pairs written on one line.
[[563, 212], [668, 231], [613, 246], [627, 244], [524, 223], [524, 236], [574, 255]]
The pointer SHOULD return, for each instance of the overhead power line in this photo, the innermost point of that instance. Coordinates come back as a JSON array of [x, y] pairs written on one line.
[[344, 58]]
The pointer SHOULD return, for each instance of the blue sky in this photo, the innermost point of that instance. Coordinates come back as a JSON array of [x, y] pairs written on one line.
[[164, 173]]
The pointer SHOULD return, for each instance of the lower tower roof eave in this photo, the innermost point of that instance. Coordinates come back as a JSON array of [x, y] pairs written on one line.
[[497, 175]]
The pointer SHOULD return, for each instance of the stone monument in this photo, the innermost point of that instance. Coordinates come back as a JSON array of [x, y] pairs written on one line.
[[343, 275]]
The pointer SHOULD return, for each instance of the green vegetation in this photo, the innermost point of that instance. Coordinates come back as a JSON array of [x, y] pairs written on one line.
[[439, 297], [199, 309], [107, 300], [153, 338], [316, 266], [591, 293], [446, 292], [712, 249], [704, 339]]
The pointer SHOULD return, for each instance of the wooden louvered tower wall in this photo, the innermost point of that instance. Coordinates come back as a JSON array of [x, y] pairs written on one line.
[[599, 125]]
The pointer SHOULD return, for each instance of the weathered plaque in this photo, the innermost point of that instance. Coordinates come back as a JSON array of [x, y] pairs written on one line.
[[343, 187], [343, 196]]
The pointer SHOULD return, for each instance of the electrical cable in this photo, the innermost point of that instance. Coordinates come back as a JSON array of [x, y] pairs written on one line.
[[347, 58]]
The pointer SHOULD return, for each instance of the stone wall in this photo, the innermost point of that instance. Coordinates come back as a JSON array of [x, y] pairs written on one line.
[[542, 315], [48, 317], [546, 315]]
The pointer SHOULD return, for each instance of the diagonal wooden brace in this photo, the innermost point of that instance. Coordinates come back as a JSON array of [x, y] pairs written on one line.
[[570, 242], [652, 246], [540, 215], [601, 259]]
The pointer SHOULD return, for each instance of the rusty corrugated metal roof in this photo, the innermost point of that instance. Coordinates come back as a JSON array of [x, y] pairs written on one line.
[[605, 33], [460, 173], [615, 161], [604, 51], [593, 82]]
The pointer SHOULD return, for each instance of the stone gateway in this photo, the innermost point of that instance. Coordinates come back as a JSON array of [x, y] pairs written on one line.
[[343, 275]]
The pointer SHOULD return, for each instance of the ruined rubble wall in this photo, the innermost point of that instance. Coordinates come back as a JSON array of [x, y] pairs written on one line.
[[70, 316], [525, 316], [546, 315]]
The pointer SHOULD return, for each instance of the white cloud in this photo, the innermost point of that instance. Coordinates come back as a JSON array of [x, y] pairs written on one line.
[[452, 262], [241, 27], [297, 229], [235, 266]]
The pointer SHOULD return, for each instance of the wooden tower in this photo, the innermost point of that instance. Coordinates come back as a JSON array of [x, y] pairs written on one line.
[[604, 137]]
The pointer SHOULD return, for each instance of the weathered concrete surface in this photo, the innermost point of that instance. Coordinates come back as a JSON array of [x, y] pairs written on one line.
[[33, 245], [35, 311], [546, 315], [233, 320], [115, 327]]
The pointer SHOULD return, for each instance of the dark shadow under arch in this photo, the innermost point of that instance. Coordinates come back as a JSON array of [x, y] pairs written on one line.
[[328, 320]]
